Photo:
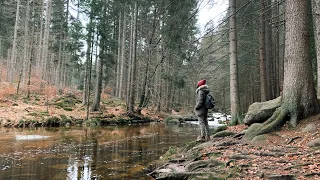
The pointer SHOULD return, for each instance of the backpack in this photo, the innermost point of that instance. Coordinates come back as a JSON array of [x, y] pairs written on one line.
[[209, 102]]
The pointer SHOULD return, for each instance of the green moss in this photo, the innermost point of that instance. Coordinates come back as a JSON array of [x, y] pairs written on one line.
[[219, 128], [171, 152], [168, 119], [44, 113], [33, 114], [52, 121], [93, 122], [63, 117], [113, 102], [123, 121], [223, 134]]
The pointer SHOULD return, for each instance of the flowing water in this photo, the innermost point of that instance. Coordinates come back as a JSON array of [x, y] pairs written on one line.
[[87, 153]]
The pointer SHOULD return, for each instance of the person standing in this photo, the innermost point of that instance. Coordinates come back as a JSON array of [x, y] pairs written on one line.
[[201, 111]]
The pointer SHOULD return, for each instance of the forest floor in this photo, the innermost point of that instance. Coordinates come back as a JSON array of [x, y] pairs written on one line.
[[67, 109], [283, 154]]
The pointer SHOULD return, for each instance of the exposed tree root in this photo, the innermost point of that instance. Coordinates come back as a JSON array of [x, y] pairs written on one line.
[[273, 123], [235, 120]]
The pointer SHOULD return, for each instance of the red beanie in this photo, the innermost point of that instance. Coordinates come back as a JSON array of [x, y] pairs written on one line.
[[202, 82]]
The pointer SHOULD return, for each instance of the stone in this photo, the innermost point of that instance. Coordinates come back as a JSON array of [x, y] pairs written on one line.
[[309, 128], [259, 112], [314, 143]]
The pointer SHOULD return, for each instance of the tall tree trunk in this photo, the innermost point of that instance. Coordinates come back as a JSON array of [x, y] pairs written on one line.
[[123, 53], [118, 57], [149, 50], [129, 63], [26, 43], [263, 71], [45, 45], [134, 52], [13, 61], [316, 20], [234, 86], [88, 55], [39, 52], [268, 52], [275, 50], [98, 89]]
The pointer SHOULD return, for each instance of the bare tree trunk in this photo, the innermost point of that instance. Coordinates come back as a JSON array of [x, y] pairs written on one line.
[[118, 57], [146, 78], [123, 52], [26, 43], [39, 58], [129, 65], [316, 20], [98, 89], [31, 53], [134, 52], [263, 71], [234, 86], [13, 62], [268, 53], [45, 46], [275, 53], [59, 66], [88, 55], [19, 81]]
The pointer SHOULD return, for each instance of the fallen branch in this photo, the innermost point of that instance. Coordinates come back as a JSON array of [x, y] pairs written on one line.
[[290, 140]]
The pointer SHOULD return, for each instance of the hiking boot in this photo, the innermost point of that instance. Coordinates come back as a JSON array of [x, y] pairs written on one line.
[[201, 139]]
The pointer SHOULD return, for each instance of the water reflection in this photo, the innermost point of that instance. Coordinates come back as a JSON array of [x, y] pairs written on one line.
[[102, 153]]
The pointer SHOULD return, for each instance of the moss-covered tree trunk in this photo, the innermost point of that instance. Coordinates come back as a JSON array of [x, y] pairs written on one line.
[[299, 97]]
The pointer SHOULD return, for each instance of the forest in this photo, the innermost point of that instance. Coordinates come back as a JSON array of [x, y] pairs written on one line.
[[68, 62], [150, 54]]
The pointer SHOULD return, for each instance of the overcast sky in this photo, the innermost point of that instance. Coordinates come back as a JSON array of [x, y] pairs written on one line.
[[211, 12]]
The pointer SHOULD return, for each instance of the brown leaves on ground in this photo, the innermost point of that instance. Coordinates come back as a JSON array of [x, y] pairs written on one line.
[[276, 155]]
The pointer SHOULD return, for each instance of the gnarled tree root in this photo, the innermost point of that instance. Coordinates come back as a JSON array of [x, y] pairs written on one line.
[[274, 122]]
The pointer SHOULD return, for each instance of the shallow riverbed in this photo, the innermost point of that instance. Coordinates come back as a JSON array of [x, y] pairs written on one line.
[[87, 153]]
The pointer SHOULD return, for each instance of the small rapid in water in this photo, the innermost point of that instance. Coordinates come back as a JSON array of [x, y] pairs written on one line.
[[113, 152]]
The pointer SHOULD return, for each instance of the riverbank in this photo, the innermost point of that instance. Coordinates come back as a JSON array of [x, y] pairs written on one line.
[[285, 154], [66, 110]]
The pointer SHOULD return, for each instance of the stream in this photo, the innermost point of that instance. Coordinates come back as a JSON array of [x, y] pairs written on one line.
[[113, 152]]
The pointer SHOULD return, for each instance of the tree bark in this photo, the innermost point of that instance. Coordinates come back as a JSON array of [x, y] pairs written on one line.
[[123, 53], [134, 51], [45, 44], [26, 43], [234, 86], [39, 52], [13, 57], [118, 56], [98, 89], [316, 20], [263, 71], [88, 56]]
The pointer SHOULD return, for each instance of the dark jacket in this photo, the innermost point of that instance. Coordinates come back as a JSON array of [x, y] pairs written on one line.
[[200, 108]]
